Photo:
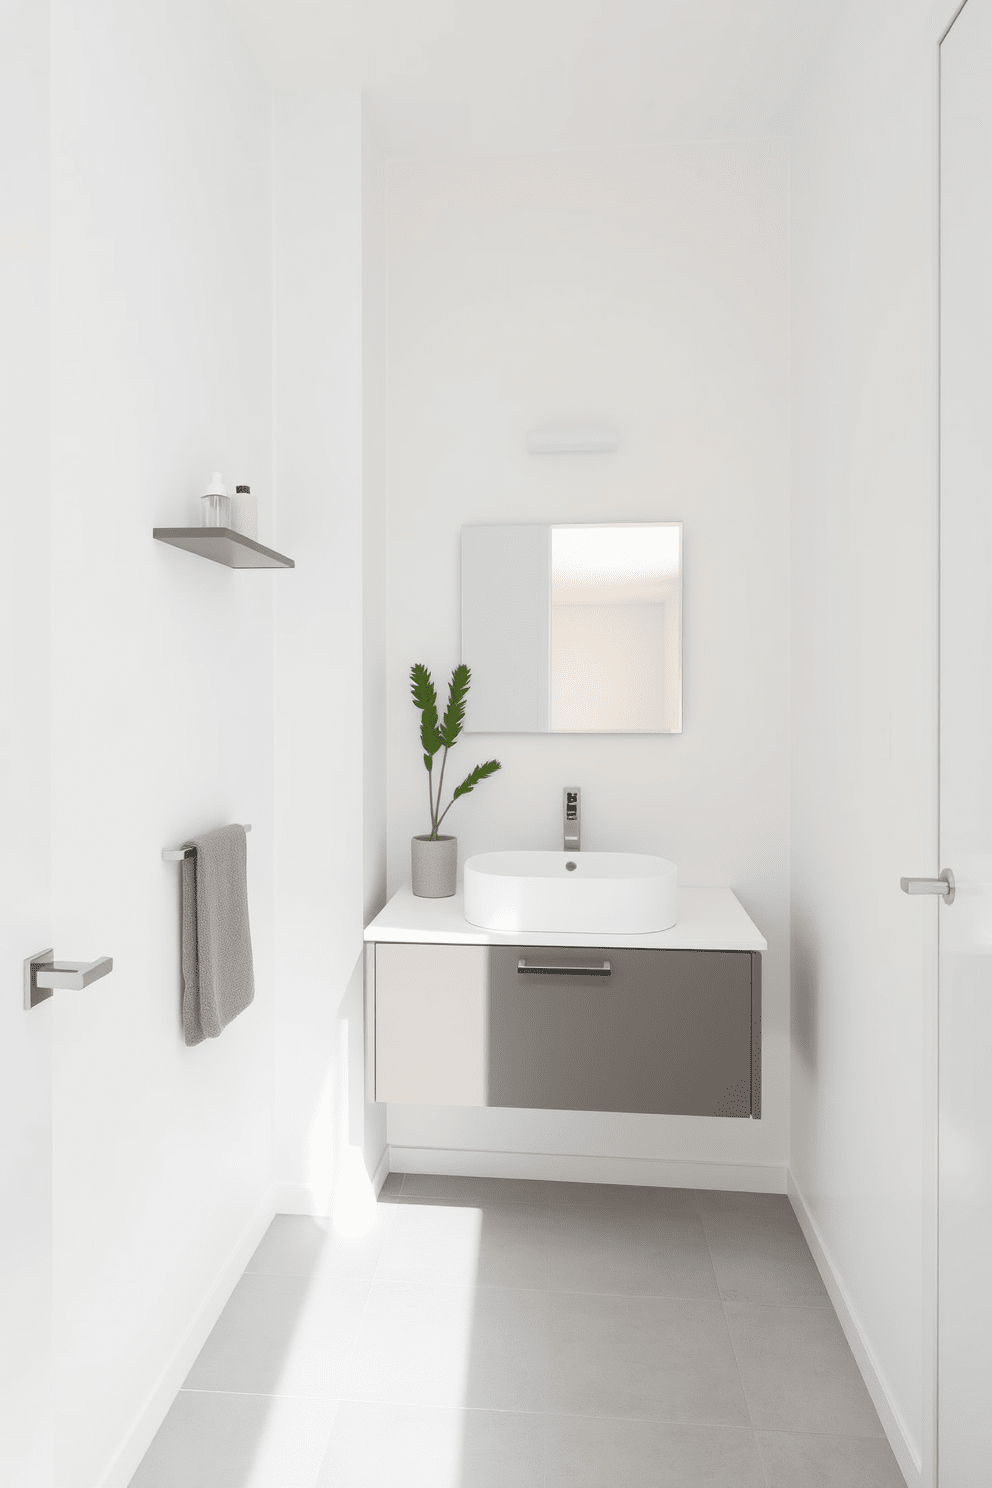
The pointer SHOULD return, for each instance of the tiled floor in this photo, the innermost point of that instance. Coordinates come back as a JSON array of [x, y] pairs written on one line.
[[528, 1335]]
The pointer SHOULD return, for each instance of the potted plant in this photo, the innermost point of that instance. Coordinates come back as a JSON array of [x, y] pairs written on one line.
[[434, 858]]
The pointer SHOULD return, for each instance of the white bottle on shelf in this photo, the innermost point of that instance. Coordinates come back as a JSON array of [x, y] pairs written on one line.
[[246, 512]]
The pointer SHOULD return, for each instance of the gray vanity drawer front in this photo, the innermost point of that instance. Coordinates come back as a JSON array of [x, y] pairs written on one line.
[[666, 1032]]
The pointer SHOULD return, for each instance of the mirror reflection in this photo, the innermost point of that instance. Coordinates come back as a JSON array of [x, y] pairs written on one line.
[[574, 629]]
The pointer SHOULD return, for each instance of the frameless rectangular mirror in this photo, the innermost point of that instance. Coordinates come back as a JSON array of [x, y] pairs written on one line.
[[574, 629]]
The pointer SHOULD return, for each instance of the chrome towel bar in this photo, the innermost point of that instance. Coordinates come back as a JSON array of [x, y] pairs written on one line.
[[176, 854]]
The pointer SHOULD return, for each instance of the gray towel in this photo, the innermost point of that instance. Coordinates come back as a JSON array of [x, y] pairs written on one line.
[[218, 976]]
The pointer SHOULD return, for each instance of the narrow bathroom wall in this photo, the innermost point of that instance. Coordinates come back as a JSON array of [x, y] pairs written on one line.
[[646, 289], [25, 778], [330, 641], [864, 567], [375, 619], [162, 682]]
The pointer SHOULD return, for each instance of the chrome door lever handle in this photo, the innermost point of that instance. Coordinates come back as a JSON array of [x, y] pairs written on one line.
[[944, 885], [74, 975], [43, 976]]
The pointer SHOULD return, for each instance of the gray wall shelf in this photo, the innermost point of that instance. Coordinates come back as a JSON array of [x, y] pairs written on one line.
[[222, 545]]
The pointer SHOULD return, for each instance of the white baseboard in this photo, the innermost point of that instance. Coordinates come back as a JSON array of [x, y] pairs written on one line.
[[153, 1412], [381, 1172], [891, 1418], [571, 1167]]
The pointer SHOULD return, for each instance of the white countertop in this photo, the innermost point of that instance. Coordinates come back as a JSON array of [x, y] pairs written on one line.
[[709, 920]]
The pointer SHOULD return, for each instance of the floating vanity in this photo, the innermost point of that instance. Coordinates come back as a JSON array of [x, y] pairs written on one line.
[[666, 1023]]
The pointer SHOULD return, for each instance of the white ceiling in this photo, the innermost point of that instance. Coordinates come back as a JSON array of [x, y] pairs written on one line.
[[485, 76]]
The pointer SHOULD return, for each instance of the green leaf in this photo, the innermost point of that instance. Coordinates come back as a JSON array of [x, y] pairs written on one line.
[[454, 714], [479, 773], [425, 698]]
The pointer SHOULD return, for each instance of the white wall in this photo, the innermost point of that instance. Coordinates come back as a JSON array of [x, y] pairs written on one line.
[[648, 289], [329, 824], [162, 677], [25, 778], [864, 690], [375, 470]]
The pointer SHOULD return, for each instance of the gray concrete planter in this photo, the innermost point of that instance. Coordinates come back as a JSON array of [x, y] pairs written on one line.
[[434, 867]]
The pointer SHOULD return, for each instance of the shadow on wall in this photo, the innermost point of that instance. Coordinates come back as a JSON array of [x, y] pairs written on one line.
[[805, 993], [347, 1136], [366, 1121]]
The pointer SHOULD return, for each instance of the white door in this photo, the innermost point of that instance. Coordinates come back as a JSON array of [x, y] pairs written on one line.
[[25, 772], [964, 1415]]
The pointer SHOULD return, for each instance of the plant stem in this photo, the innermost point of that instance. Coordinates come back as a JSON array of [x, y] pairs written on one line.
[[440, 787], [430, 796]]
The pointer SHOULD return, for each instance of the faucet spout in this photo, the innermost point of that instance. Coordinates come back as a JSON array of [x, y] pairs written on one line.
[[572, 818]]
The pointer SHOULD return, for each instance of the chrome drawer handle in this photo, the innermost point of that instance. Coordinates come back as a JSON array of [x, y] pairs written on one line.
[[604, 969]]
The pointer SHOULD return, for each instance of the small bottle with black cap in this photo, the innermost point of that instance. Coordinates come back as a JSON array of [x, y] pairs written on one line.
[[245, 512]]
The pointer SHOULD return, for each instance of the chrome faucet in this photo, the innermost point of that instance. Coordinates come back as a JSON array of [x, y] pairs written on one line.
[[571, 819]]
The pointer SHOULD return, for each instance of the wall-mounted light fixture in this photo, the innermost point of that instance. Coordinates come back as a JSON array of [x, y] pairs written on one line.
[[572, 439]]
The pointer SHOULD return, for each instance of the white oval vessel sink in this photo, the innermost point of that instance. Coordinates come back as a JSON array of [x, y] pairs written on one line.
[[591, 893]]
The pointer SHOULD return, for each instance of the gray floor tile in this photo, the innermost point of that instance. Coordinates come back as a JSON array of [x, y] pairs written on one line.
[[716, 1199], [760, 1255], [503, 1245], [409, 1446], [514, 1247], [799, 1373], [282, 1335], [296, 1245], [508, 1363], [432, 1244], [620, 1196], [291, 1246], [488, 1331], [452, 1346], [828, 1462], [661, 1357], [413, 1346], [475, 1190], [629, 1250], [237, 1441], [595, 1452]]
